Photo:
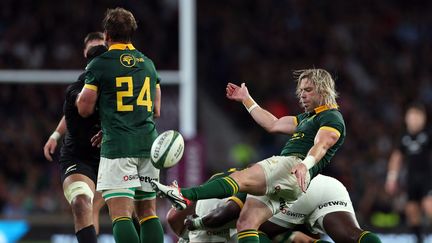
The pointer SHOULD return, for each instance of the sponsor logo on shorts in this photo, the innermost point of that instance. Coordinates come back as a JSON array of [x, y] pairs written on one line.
[[282, 204], [220, 233], [333, 203], [293, 214], [284, 208], [147, 179], [223, 233], [130, 177]]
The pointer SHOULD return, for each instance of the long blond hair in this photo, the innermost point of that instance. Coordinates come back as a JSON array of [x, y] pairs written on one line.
[[323, 82]]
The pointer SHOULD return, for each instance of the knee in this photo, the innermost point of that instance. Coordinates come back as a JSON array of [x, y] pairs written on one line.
[[148, 212], [146, 208], [81, 205], [244, 223], [347, 235]]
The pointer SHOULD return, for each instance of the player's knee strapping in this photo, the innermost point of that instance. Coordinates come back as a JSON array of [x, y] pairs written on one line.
[[78, 188], [128, 192]]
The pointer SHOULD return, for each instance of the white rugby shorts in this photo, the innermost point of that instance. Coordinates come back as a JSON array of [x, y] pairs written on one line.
[[122, 173], [324, 195], [281, 184]]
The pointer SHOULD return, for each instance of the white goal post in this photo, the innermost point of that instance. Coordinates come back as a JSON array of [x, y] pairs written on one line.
[[64, 76]]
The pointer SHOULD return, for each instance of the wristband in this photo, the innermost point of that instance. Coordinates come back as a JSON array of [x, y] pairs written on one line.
[[252, 107], [250, 104], [55, 135], [309, 161], [392, 175], [198, 223]]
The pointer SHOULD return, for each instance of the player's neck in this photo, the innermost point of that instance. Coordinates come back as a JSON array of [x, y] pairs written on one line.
[[110, 43]]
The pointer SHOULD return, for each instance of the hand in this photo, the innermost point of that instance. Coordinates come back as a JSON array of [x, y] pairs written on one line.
[[300, 171], [391, 187], [49, 148], [96, 140], [189, 222], [234, 92]]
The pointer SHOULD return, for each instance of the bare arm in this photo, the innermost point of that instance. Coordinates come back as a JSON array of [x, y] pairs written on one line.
[[268, 121], [175, 218], [86, 101], [222, 215], [324, 139], [51, 143], [216, 218], [157, 102], [394, 166]]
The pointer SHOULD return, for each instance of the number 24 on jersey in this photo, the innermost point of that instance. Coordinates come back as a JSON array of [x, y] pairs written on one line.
[[143, 99]]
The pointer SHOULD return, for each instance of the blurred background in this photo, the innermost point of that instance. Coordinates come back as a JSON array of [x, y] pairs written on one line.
[[378, 51]]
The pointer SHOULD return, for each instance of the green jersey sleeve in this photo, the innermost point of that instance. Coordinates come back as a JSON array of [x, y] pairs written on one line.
[[332, 121]]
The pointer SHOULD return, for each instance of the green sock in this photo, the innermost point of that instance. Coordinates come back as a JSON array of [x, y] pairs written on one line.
[[217, 188], [368, 237], [248, 236], [151, 230], [263, 237], [124, 230]]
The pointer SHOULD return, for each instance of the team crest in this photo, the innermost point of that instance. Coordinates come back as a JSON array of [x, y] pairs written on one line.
[[127, 60]]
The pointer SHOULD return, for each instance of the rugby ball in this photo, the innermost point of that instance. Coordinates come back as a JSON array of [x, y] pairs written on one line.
[[167, 149]]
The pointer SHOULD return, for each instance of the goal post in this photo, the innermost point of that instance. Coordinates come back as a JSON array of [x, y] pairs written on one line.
[[169, 77]]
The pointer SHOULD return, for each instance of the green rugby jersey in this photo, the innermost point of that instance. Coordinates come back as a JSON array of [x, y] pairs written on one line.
[[308, 124], [126, 83]]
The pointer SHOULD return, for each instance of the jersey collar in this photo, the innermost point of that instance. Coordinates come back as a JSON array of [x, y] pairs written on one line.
[[324, 108], [121, 47]]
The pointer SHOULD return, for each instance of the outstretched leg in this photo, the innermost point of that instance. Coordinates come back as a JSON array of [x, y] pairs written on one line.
[[251, 180]]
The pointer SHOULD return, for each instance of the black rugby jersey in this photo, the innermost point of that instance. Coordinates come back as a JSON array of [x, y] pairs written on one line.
[[76, 143], [416, 150]]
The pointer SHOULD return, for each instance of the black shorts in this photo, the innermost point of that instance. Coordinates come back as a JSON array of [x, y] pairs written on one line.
[[77, 166], [418, 188]]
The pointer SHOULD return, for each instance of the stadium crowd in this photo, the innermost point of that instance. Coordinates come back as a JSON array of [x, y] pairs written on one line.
[[379, 52]]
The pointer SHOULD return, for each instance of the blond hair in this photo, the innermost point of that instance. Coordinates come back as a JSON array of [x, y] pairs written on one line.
[[323, 82]]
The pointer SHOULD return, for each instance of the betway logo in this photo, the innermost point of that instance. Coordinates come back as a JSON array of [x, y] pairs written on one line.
[[333, 203], [147, 179]]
